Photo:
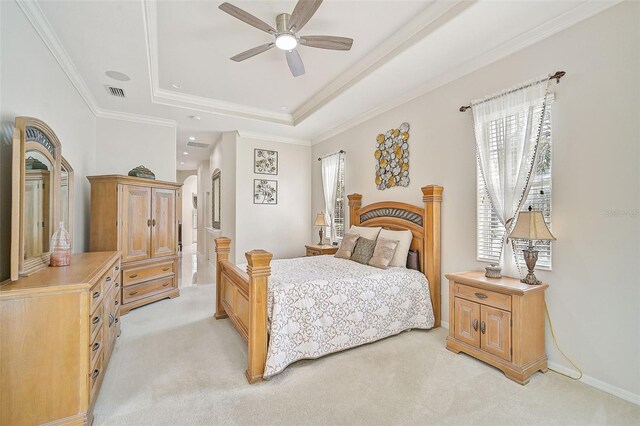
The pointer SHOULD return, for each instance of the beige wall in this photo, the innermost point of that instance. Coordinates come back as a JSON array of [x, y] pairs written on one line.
[[594, 294], [123, 145], [33, 84]]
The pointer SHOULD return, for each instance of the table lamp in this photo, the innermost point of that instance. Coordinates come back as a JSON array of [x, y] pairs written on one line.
[[531, 226], [321, 221]]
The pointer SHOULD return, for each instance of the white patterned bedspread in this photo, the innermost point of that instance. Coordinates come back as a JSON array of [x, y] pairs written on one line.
[[322, 304]]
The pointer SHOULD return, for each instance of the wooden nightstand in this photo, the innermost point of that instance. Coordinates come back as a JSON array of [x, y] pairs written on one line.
[[317, 250], [499, 321]]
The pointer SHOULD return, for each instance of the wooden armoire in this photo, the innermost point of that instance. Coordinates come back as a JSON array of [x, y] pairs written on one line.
[[138, 217]]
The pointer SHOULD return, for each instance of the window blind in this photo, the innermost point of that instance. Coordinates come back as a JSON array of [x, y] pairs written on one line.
[[490, 231]]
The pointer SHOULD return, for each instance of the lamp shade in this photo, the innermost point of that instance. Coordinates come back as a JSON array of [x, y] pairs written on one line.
[[531, 226], [321, 219]]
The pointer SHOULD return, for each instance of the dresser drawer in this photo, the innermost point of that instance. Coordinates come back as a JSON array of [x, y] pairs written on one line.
[[140, 291], [313, 252], [145, 273], [96, 295], [95, 377], [95, 348], [486, 297], [95, 321]]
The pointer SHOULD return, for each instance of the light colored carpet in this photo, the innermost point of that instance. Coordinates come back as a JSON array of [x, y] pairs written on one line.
[[176, 365]]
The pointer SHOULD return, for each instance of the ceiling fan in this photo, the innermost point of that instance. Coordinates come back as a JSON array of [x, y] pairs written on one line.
[[286, 38]]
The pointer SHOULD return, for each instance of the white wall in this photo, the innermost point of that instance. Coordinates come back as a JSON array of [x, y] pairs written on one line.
[[123, 145], [594, 293], [190, 187], [33, 84], [281, 229]]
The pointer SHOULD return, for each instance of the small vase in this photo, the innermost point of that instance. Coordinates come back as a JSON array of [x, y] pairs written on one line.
[[493, 271], [60, 247]]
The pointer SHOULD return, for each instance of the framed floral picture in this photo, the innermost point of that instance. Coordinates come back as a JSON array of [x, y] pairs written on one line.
[[265, 162], [265, 191]]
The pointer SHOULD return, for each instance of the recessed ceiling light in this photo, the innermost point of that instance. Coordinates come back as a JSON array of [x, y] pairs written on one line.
[[182, 162], [191, 138], [194, 117], [116, 75], [284, 108], [185, 153], [286, 41], [176, 85]]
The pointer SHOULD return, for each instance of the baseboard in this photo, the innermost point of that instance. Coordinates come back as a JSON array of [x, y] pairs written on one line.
[[587, 380], [598, 384]]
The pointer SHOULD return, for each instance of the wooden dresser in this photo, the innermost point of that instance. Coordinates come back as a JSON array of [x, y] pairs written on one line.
[[499, 321], [318, 250], [139, 218], [57, 331]]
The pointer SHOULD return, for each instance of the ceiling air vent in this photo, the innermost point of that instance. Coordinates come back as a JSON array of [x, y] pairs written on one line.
[[197, 144], [116, 91]]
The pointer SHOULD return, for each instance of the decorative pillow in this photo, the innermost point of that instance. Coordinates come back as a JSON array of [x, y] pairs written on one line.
[[346, 246], [383, 253], [365, 231], [404, 239], [412, 260], [363, 251]]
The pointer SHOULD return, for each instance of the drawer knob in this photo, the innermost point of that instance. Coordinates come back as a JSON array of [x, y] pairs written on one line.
[[133, 276], [95, 347], [474, 323], [165, 269], [108, 279], [117, 285], [148, 222], [117, 320], [481, 296], [165, 284], [96, 294], [133, 293], [153, 222], [117, 268], [483, 327], [95, 374], [95, 320], [116, 303]]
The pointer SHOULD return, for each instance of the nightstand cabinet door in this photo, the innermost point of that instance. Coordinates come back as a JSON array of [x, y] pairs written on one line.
[[467, 321], [495, 330]]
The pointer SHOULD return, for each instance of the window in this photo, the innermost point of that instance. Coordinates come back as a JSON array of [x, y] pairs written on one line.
[[489, 229], [338, 220]]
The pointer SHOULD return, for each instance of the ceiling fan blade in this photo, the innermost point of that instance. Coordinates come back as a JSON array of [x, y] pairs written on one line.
[[327, 42], [246, 17], [303, 11], [252, 52], [295, 62]]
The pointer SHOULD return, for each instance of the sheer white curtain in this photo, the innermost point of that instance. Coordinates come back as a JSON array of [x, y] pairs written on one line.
[[330, 170], [507, 130]]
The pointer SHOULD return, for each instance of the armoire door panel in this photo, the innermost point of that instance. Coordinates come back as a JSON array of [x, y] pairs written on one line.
[[496, 332], [467, 315], [163, 222], [136, 223]]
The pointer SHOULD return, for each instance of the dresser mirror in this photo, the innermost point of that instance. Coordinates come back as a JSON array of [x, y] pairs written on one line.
[[42, 195]]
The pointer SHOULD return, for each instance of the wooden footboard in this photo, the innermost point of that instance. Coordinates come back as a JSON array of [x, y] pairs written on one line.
[[242, 297]]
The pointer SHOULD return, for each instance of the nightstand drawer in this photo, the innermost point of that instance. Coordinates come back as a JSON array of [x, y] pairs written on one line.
[[486, 297], [313, 252]]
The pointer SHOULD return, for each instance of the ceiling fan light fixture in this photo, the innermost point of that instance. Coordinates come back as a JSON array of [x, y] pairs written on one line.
[[286, 41]]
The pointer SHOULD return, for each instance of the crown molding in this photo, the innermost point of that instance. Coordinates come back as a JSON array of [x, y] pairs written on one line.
[[272, 138], [572, 17], [188, 101], [42, 26], [439, 12]]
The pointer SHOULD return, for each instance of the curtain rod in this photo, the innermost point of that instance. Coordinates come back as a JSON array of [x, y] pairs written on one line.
[[557, 76], [342, 151]]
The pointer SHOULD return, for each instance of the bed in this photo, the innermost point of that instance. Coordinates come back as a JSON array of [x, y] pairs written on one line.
[[294, 309]]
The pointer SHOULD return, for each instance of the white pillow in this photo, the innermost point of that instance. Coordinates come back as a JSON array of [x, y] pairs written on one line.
[[365, 232], [404, 239]]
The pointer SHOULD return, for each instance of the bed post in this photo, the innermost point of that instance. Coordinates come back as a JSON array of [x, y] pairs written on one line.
[[355, 202], [432, 198], [222, 253], [258, 270]]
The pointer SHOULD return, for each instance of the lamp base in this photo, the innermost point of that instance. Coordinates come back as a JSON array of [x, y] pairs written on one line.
[[321, 233], [530, 258]]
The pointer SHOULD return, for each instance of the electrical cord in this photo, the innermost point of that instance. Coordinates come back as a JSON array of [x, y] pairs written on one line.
[[555, 342]]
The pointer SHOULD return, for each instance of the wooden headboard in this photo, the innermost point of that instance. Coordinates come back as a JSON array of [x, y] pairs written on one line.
[[424, 223]]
